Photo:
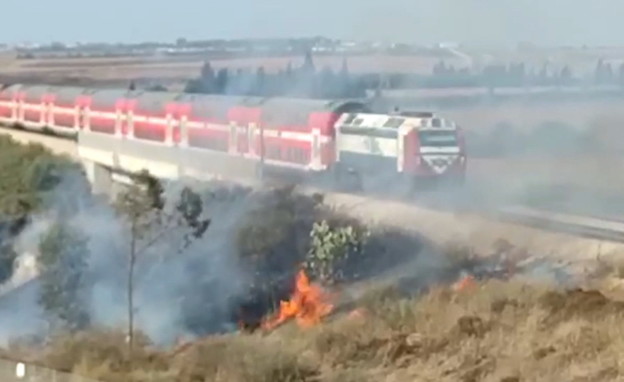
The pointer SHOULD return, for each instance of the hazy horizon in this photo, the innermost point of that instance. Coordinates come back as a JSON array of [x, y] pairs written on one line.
[[497, 22]]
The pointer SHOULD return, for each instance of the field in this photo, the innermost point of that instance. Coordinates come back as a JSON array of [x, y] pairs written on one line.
[[175, 71], [172, 69]]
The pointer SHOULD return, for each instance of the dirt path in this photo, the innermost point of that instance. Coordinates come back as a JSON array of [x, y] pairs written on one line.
[[477, 232]]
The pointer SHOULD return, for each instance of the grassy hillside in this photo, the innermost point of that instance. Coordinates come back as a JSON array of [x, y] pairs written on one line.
[[495, 331]]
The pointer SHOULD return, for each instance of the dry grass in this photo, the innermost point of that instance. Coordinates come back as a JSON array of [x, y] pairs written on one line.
[[496, 332]]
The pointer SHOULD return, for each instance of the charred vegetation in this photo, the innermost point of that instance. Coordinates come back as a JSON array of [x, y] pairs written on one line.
[[273, 243]]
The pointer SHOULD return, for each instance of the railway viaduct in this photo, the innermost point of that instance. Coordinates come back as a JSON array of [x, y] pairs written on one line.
[[107, 158]]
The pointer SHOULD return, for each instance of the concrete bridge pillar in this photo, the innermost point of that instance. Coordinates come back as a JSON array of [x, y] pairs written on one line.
[[99, 177]]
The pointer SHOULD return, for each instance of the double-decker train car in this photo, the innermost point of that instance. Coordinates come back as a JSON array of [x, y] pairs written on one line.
[[337, 139]]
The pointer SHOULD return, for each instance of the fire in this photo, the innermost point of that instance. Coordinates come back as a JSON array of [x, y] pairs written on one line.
[[307, 305], [465, 283]]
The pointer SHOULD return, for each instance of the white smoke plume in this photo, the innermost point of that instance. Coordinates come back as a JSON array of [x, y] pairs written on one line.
[[163, 278]]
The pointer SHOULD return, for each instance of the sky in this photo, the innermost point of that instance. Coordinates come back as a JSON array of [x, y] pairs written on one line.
[[546, 22]]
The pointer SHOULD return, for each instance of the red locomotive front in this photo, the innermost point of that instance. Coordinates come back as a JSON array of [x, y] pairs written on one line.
[[382, 150]]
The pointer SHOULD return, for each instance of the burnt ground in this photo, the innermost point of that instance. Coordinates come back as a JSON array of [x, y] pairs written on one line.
[[492, 331], [408, 323]]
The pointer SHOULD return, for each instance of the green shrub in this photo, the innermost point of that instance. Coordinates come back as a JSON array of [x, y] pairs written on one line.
[[330, 248]]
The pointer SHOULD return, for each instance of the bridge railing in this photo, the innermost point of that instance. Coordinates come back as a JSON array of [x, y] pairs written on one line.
[[12, 371]]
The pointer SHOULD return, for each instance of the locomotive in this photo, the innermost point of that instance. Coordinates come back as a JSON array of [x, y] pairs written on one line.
[[339, 140]]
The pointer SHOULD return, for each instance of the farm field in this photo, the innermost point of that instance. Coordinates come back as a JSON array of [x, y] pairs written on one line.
[[577, 59], [132, 67]]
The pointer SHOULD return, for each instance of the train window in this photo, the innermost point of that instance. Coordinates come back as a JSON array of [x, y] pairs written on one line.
[[296, 155], [417, 114], [393, 122], [358, 122], [436, 122], [437, 138], [350, 119], [273, 152], [300, 156], [210, 143], [216, 144]]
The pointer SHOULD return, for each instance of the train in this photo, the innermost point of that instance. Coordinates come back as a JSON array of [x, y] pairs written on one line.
[[341, 141]]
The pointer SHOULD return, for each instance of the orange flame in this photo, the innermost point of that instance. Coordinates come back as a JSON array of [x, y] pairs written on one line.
[[465, 283], [308, 305]]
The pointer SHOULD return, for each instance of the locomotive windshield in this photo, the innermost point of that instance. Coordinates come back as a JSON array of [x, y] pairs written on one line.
[[437, 138]]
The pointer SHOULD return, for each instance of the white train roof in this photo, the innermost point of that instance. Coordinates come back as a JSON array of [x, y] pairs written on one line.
[[419, 120]]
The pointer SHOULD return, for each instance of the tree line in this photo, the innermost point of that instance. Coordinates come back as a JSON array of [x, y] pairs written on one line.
[[305, 81], [517, 74], [308, 82]]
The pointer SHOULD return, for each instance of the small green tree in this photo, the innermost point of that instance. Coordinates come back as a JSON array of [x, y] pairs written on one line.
[[330, 249], [189, 209], [63, 253], [142, 206]]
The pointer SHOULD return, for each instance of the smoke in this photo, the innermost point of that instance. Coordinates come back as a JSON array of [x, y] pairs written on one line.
[[190, 293], [20, 315], [558, 155], [165, 278], [25, 268]]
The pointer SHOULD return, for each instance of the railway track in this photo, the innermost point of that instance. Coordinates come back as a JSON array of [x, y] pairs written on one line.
[[590, 224], [586, 226], [606, 228]]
